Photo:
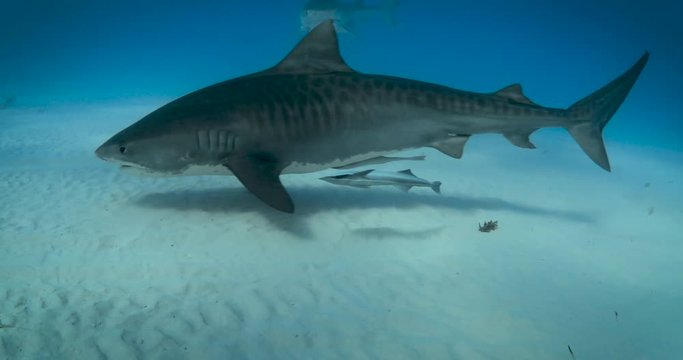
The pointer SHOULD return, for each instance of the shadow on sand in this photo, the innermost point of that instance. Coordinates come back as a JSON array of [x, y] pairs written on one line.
[[312, 200]]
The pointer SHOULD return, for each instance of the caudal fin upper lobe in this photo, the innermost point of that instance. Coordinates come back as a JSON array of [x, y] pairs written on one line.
[[592, 113]]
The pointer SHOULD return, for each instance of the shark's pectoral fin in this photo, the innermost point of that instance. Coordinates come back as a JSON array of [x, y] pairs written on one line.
[[520, 138], [452, 146], [261, 176]]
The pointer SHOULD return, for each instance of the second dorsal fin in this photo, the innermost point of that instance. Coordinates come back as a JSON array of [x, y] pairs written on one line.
[[317, 52], [514, 92]]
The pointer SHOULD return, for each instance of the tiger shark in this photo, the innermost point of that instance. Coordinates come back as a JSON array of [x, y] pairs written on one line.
[[312, 112]]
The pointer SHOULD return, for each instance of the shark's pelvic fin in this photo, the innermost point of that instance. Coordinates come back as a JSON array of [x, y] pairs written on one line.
[[317, 53], [514, 92], [261, 176], [592, 113], [452, 147]]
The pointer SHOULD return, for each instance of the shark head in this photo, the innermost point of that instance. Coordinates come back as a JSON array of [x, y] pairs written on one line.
[[151, 150]]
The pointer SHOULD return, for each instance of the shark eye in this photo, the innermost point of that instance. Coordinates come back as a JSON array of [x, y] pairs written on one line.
[[122, 149]]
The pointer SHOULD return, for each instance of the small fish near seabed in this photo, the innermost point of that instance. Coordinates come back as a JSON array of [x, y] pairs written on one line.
[[346, 14], [403, 180], [379, 160]]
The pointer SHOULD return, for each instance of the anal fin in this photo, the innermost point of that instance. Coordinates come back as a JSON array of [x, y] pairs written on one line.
[[261, 176], [520, 138]]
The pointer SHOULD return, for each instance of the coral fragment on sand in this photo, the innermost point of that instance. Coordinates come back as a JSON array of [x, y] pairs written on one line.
[[488, 226]]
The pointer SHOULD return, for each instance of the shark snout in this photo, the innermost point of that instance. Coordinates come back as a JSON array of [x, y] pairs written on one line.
[[109, 151], [99, 152], [103, 151]]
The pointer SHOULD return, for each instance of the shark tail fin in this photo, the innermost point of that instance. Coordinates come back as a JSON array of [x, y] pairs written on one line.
[[436, 186], [594, 111]]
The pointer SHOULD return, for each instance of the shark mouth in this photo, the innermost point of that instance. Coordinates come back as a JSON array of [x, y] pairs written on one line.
[[133, 167], [139, 170]]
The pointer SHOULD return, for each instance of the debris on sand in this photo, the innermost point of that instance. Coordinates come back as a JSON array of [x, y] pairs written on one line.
[[488, 226]]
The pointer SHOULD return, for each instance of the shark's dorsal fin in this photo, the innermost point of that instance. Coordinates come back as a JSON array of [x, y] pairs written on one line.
[[515, 93], [407, 172], [316, 53]]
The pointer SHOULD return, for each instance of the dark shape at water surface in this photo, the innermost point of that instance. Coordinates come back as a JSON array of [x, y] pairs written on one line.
[[312, 112], [347, 14]]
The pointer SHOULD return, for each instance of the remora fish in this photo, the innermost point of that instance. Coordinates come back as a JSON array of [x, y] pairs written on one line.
[[403, 180], [346, 14], [312, 112], [380, 160]]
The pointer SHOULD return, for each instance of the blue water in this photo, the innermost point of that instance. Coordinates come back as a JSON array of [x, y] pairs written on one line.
[[97, 264], [75, 51]]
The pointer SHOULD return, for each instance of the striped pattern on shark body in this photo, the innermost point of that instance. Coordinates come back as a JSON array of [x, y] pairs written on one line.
[[219, 141], [298, 106]]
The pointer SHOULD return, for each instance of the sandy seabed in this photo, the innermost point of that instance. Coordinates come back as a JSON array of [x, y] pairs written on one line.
[[95, 263]]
